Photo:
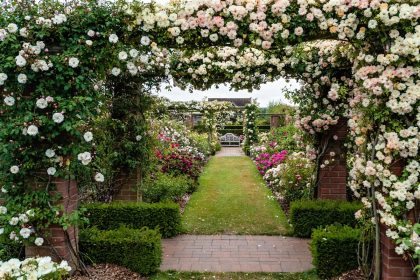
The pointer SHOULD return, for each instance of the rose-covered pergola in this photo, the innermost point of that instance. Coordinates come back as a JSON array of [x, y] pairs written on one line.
[[358, 61]]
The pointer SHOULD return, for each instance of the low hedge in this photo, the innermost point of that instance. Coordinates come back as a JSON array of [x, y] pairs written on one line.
[[334, 250], [137, 249], [306, 215], [164, 216]]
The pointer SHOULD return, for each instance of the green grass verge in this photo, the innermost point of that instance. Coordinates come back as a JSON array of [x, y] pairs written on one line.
[[233, 199], [173, 275]]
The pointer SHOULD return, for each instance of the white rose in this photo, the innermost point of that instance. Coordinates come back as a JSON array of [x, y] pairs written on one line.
[[50, 153], [3, 210], [58, 117], [23, 32], [12, 28], [32, 130], [122, 55], [14, 169], [99, 177], [1, 231], [9, 100], [115, 71], [88, 136], [39, 241], [213, 37], [134, 53], [14, 221], [138, 137], [51, 171], [41, 103], [85, 158], [145, 41], [89, 42], [25, 232], [73, 62], [113, 38], [22, 78], [20, 61], [91, 33]]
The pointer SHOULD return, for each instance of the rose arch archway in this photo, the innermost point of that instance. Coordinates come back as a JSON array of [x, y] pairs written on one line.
[[358, 61]]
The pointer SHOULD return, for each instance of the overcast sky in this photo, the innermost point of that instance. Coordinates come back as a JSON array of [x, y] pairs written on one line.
[[268, 92]]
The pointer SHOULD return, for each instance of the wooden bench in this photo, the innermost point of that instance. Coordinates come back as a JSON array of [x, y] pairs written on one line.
[[230, 140]]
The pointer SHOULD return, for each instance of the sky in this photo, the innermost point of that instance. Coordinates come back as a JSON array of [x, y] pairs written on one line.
[[268, 92]]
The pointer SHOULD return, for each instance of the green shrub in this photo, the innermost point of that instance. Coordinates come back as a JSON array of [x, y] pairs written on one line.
[[163, 186], [334, 250], [137, 249], [164, 216], [10, 250], [306, 215]]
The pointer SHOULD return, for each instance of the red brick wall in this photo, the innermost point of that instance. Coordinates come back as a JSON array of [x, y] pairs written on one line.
[[56, 244], [128, 187], [333, 177]]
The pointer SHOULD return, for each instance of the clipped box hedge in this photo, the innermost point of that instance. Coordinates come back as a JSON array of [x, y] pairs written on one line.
[[164, 216], [334, 250], [137, 249], [306, 215]]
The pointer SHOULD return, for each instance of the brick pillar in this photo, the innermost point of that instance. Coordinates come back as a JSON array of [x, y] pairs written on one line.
[[274, 121], [393, 265], [128, 190], [56, 244], [332, 179]]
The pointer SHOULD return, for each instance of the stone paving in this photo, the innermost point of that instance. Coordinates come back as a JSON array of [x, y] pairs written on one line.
[[234, 253], [230, 152]]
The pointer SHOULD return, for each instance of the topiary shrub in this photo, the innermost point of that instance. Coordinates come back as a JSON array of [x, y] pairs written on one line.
[[334, 250], [137, 249], [306, 215], [165, 216], [163, 186]]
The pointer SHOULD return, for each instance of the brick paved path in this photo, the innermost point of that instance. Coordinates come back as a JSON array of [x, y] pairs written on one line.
[[233, 253], [230, 152]]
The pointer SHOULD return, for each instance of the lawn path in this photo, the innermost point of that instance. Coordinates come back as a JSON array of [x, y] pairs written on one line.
[[232, 199]]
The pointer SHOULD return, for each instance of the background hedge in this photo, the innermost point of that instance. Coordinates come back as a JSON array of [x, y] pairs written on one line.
[[164, 216], [306, 215], [334, 250], [137, 249]]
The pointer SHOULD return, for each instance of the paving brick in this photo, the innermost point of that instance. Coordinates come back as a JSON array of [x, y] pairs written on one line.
[[231, 253]]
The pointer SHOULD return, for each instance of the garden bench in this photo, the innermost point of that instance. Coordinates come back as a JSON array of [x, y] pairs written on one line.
[[230, 140]]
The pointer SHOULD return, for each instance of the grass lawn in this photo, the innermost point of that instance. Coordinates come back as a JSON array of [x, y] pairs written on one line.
[[232, 199], [234, 276]]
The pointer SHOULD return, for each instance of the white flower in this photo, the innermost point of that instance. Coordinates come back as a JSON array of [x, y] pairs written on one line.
[[25, 232], [3, 210], [14, 169], [39, 241], [88, 136], [1, 231], [134, 53], [51, 171], [9, 100], [20, 61], [12, 28], [99, 177], [50, 153], [3, 77], [85, 158], [89, 42], [22, 78], [115, 71], [213, 37], [91, 33], [41, 103], [138, 137], [14, 221], [58, 117], [32, 130], [145, 41], [122, 55], [298, 31], [73, 62], [23, 32], [23, 218], [372, 24], [113, 38]]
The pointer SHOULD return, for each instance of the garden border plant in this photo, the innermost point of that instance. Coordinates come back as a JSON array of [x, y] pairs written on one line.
[[53, 59]]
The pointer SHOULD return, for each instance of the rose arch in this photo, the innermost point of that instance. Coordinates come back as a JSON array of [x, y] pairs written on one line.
[[62, 64]]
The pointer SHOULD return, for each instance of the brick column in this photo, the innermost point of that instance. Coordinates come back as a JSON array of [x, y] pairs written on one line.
[[274, 121], [394, 266], [128, 191], [332, 179], [56, 244]]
